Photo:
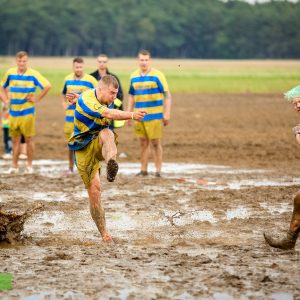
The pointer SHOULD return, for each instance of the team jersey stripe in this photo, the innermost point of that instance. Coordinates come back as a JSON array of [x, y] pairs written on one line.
[[144, 78], [70, 119], [149, 104], [87, 110], [18, 101], [22, 90], [80, 83], [72, 107], [150, 117], [76, 130], [25, 78], [83, 119], [21, 113], [146, 91]]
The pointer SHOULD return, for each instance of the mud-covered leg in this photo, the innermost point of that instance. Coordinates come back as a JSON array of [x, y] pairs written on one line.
[[289, 241], [96, 208], [109, 153]]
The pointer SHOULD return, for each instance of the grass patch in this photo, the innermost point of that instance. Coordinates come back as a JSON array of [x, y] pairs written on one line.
[[184, 76]]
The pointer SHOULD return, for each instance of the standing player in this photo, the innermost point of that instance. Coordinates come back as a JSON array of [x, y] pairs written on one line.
[[18, 87], [149, 90], [102, 61], [76, 82], [289, 241], [93, 141]]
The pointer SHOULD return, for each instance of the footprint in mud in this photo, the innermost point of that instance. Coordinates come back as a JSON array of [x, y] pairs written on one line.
[[12, 223]]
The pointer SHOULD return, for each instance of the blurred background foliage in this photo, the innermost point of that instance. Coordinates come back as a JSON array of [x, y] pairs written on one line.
[[168, 28]]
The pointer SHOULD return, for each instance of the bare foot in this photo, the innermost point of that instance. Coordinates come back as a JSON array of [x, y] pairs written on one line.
[[107, 238]]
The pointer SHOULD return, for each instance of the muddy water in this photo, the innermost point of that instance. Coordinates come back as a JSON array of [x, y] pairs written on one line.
[[194, 234], [173, 238]]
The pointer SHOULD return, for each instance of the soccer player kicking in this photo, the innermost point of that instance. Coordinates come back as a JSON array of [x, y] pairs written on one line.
[[93, 141], [289, 241]]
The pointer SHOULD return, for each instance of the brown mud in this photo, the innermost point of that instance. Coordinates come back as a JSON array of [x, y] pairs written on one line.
[[192, 234]]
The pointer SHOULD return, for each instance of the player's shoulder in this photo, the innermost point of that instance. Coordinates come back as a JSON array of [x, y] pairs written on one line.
[[88, 95], [12, 71], [135, 73], [88, 77], [156, 72], [69, 77]]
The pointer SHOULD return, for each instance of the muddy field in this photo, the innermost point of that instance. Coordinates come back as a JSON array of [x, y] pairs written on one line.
[[232, 169]]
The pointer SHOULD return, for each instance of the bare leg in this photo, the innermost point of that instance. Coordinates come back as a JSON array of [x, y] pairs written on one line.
[[289, 241], [109, 148], [158, 152], [30, 150], [71, 160], [23, 148], [96, 209], [16, 150], [144, 143], [109, 153]]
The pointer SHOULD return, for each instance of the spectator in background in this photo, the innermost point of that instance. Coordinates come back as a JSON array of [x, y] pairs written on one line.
[[102, 60], [149, 90], [17, 87]]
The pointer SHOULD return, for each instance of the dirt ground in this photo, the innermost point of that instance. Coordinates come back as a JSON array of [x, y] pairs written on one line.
[[232, 169]]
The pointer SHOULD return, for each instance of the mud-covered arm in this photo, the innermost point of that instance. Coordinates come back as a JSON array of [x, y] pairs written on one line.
[[116, 114]]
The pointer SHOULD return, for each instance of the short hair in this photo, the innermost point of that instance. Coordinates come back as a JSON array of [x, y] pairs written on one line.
[[78, 59], [21, 54], [144, 52], [102, 55], [109, 80]]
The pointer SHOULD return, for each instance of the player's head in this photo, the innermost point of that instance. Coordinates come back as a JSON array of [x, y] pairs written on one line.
[[78, 65], [293, 96], [144, 59], [22, 60], [108, 86], [102, 60]]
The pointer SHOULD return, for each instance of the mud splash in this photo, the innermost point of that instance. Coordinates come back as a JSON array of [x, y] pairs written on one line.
[[12, 223]]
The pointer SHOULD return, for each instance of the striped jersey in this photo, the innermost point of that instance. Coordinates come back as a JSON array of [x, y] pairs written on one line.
[[88, 120], [78, 86], [20, 87], [148, 91]]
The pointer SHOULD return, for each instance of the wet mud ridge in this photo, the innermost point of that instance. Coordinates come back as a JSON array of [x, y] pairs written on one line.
[[12, 223]]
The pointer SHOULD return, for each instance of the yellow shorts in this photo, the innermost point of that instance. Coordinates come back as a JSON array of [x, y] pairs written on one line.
[[148, 129], [88, 161], [68, 130], [24, 125]]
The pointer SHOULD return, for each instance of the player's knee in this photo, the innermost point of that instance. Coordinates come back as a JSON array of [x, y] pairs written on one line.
[[106, 134], [155, 143]]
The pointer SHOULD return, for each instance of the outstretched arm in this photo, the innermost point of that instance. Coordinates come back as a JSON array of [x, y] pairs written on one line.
[[116, 114]]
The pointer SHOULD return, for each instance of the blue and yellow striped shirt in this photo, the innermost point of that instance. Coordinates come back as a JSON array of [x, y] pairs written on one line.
[[20, 87], [78, 86], [88, 120], [148, 92]]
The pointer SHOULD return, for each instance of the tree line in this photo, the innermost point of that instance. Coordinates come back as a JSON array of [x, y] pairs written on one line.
[[168, 28]]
